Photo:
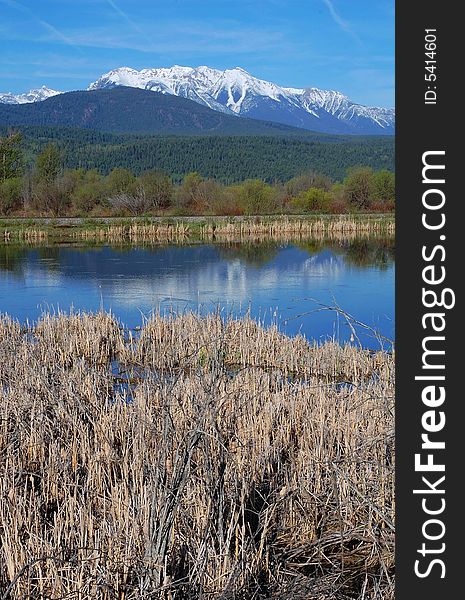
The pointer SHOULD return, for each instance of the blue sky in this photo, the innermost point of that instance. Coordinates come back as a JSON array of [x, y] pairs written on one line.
[[347, 45]]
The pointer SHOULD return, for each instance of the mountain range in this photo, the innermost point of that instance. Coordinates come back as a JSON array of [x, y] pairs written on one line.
[[36, 95], [236, 93], [132, 110]]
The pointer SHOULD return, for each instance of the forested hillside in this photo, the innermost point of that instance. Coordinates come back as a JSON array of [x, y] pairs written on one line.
[[129, 110], [228, 159]]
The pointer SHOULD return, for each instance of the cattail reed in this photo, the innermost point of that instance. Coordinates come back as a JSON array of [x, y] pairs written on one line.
[[197, 458], [208, 228], [239, 229]]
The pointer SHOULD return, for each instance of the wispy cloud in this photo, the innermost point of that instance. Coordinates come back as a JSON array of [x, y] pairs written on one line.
[[61, 36], [45, 24], [128, 20], [344, 25], [189, 38]]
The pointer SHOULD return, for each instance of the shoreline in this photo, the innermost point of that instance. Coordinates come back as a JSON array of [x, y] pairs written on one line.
[[194, 227]]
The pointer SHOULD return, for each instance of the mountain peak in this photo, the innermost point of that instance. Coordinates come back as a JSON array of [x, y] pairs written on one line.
[[35, 95]]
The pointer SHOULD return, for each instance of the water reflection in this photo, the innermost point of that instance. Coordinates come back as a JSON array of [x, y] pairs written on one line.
[[274, 280]]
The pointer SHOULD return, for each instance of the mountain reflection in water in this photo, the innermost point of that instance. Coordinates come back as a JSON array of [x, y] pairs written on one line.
[[275, 281]]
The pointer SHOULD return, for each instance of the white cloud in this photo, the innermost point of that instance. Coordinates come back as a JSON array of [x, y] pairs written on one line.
[[126, 18], [190, 38], [344, 25], [45, 24]]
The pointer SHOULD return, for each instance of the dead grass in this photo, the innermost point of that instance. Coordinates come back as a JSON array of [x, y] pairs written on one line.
[[180, 230], [217, 460], [240, 230]]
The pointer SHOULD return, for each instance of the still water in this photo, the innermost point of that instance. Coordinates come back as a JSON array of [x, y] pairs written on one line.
[[285, 283]]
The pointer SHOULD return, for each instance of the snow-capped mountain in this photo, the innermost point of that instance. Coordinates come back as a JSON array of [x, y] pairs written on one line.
[[236, 91], [36, 95], [178, 81]]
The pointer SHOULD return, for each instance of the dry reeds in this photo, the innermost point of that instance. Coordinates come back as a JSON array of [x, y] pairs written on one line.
[[28, 235], [136, 232], [182, 229], [240, 229], [299, 227], [197, 458]]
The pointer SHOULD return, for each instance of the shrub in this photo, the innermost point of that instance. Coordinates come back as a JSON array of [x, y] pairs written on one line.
[[10, 195], [187, 193], [157, 187], [133, 204], [314, 199], [304, 182], [255, 197], [51, 197], [208, 197], [86, 197], [119, 180], [226, 204], [48, 189], [359, 187], [338, 202], [384, 187]]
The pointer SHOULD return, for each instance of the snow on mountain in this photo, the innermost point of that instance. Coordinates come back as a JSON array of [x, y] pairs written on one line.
[[224, 90], [341, 107], [36, 95], [237, 91], [186, 82]]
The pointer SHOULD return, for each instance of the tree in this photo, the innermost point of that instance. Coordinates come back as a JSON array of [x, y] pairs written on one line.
[[51, 197], [157, 187], [120, 180], [11, 162], [255, 196], [384, 187], [304, 182], [48, 163], [338, 204], [209, 195], [10, 194], [86, 196], [359, 187], [188, 192], [314, 199]]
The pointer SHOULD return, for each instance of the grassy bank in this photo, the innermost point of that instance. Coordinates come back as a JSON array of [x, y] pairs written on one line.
[[185, 228], [192, 459]]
